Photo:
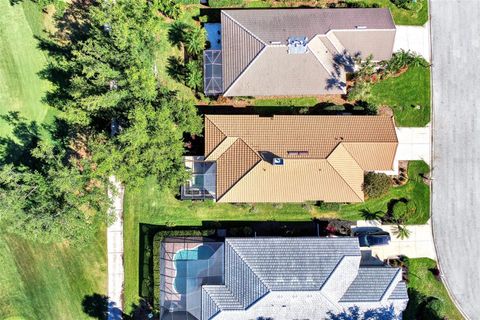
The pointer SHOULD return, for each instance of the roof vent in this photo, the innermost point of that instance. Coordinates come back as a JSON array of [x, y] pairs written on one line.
[[275, 42], [361, 27], [277, 161], [297, 45]]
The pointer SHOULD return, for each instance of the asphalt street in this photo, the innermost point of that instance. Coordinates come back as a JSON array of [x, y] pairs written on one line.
[[456, 148]]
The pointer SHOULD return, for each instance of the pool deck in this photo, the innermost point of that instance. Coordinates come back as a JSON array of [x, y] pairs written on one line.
[[169, 249]]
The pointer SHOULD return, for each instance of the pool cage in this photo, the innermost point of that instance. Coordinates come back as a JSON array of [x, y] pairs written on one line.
[[202, 183], [185, 265]]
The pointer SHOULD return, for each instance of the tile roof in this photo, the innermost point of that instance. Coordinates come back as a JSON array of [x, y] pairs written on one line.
[[371, 284], [323, 269], [324, 156], [254, 48]]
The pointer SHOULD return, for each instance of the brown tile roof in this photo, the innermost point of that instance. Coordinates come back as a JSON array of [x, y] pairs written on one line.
[[256, 40], [233, 164], [325, 156]]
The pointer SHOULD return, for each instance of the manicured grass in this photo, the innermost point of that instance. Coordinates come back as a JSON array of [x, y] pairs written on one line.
[[414, 190], [417, 16], [38, 281], [403, 94], [21, 89], [286, 102], [150, 205], [49, 281], [421, 282]]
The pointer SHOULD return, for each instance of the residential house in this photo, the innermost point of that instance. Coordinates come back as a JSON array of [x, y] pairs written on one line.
[[276, 52], [277, 278], [292, 158]]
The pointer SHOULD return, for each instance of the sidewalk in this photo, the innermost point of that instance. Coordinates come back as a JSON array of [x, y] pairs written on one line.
[[115, 253], [418, 245]]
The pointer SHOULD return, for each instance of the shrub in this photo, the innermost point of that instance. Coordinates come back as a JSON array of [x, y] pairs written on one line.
[[170, 8], [376, 184], [195, 41], [403, 4], [400, 60], [360, 91], [328, 206]]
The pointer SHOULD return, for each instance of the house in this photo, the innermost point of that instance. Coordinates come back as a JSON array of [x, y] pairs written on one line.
[[293, 51], [292, 158], [276, 278]]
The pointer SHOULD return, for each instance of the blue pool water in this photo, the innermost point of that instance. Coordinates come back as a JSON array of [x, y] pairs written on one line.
[[189, 265]]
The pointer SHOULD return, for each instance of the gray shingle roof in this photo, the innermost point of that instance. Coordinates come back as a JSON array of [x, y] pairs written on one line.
[[273, 25], [292, 263], [254, 48], [371, 284], [400, 292]]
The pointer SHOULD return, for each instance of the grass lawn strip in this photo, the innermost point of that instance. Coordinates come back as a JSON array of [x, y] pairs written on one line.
[[422, 281], [403, 94]]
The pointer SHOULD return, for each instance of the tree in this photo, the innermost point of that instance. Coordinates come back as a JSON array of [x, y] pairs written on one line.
[[152, 145], [194, 78], [59, 201], [195, 40], [116, 48], [376, 184]]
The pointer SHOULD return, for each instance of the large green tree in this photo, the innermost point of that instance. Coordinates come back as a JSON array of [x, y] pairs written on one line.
[[59, 200]]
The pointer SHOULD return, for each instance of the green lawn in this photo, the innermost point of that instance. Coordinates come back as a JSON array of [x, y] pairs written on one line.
[[417, 16], [423, 284], [148, 204], [414, 190], [38, 281], [20, 87], [286, 102], [403, 94]]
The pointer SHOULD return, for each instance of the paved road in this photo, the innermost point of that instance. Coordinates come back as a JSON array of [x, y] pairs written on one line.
[[115, 253], [456, 156]]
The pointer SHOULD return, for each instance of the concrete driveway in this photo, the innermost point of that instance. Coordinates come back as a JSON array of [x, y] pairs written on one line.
[[456, 148], [413, 144], [414, 38], [418, 245]]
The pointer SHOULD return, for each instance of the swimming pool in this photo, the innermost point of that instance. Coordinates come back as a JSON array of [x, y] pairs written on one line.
[[190, 264]]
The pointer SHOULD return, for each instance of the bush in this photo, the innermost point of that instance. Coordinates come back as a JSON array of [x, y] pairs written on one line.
[[403, 4], [328, 206], [376, 184], [360, 91], [400, 60], [170, 8]]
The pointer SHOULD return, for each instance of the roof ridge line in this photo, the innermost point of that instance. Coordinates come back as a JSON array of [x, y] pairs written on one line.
[[390, 284], [221, 131], [249, 267], [229, 291], [350, 187], [243, 27], [341, 143], [246, 172]]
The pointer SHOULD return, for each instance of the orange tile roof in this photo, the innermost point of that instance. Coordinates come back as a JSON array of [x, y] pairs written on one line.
[[347, 146]]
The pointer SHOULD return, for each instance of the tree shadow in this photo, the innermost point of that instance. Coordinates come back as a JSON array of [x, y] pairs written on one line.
[[176, 69], [142, 311], [421, 306], [354, 313], [17, 150], [368, 214], [97, 306], [176, 33]]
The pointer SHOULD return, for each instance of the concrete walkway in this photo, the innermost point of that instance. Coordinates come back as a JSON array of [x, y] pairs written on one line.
[[418, 245], [414, 38], [456, 148], [115, 253]]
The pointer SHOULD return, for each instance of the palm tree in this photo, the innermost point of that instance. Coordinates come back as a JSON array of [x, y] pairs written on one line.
[[402, 232], [195, 40], [194, 78], [372, 215]]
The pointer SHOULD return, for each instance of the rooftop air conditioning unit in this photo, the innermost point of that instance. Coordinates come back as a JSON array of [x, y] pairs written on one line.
[[277, 161]]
